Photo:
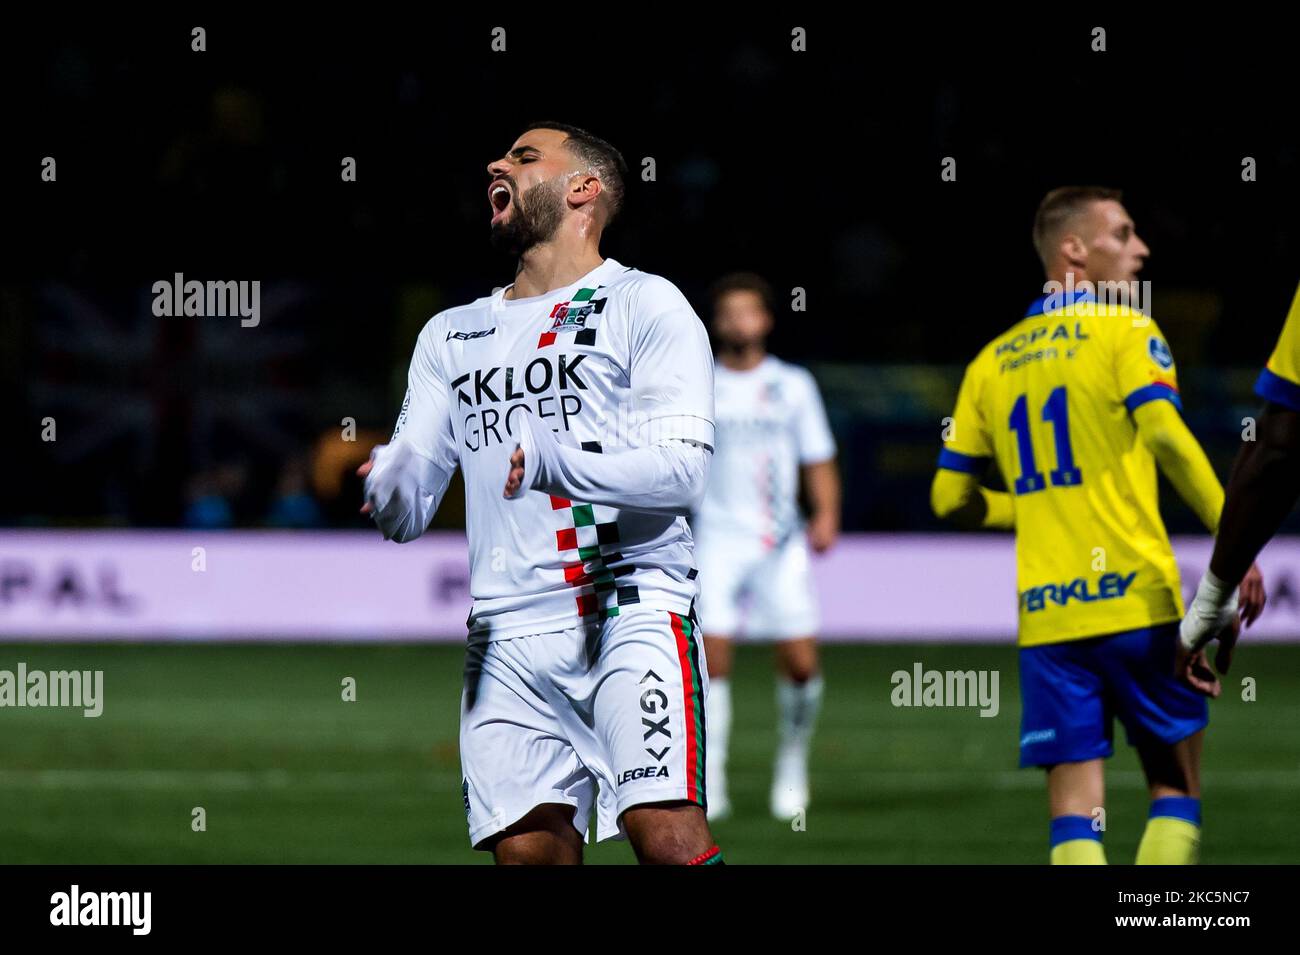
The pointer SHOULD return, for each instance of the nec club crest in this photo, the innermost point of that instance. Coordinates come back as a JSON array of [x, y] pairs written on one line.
[[580, 315]]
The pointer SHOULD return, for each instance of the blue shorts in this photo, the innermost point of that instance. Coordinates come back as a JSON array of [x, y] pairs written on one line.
[[1071, 691]]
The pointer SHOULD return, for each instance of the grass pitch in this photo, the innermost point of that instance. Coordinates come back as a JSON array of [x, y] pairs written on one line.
[[259, 737]]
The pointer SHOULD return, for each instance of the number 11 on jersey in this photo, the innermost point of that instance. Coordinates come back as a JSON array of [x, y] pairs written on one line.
[[1056, 412]]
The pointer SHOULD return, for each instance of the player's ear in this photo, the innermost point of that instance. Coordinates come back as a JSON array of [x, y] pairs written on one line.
[[1074, 249], [583, 189]]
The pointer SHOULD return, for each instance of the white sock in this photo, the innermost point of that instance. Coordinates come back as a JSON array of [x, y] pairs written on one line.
[[797, 708], [717, 733]]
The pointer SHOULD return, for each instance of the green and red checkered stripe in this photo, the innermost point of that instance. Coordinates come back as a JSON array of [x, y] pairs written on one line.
[[586, 335], [598, 583], [688, 656]]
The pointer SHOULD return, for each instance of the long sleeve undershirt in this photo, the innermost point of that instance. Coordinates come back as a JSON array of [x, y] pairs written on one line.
[[1180, 458], [405, 488], [665, 478]]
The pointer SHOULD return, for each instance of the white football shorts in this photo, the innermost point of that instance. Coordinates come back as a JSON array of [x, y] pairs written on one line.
[[608, 715], [749, 590]]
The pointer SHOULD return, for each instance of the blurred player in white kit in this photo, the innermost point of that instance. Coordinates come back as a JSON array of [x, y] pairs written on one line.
[[752, 543]]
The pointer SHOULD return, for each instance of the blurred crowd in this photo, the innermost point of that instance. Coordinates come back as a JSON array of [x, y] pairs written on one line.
[[230, 170]]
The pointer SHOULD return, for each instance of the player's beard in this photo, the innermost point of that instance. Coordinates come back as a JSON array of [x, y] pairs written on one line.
[[535, 218]]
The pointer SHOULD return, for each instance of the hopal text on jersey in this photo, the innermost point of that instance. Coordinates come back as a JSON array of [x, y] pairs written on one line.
[[548, 386], [1040, 343]]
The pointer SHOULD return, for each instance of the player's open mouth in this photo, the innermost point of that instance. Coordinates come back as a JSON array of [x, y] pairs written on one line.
[[499, 196]]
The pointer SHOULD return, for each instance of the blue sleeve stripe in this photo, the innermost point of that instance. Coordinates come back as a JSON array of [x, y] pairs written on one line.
[[1275, 388], [1152, 393], [956, 461]]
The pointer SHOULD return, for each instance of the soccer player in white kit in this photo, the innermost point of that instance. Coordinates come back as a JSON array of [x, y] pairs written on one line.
[[755, 573], [578, 404]]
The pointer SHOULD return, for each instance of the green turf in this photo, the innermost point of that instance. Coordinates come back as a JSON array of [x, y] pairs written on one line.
[[287, 772]]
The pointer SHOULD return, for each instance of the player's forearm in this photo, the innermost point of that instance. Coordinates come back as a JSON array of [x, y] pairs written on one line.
[[1196, 483], [1181, 460], [824, 493], [666, 478], [958, 497], [1262, 490], [404, 489]]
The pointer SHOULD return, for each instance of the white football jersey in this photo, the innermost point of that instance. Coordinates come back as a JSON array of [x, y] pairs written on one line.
[[616, 360], [770, 420]]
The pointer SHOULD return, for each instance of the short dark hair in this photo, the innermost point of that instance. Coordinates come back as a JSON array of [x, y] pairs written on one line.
[[1059, 206], [607, 161], [743, 282]]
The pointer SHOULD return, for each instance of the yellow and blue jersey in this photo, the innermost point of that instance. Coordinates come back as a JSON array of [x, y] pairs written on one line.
[[1279, 382], [1051, 400]]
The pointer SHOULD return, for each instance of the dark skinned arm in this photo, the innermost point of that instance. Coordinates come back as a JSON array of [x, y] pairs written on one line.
[[1262, 490]]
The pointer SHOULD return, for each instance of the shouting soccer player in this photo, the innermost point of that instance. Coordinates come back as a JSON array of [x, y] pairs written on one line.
[[578, 403], [1262, 489], [1078, 403], [771, 431]]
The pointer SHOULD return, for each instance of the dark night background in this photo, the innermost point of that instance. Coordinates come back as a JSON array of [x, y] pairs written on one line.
[[817, 169]]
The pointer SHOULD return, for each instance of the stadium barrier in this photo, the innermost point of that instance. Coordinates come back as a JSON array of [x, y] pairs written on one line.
[[350, 585]]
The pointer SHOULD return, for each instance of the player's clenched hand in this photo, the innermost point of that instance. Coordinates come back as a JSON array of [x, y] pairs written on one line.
[[515, 479], [1217, 612], [1250, 603], [362, 472], [822, 531], [1193, 669], [1212, 615]]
